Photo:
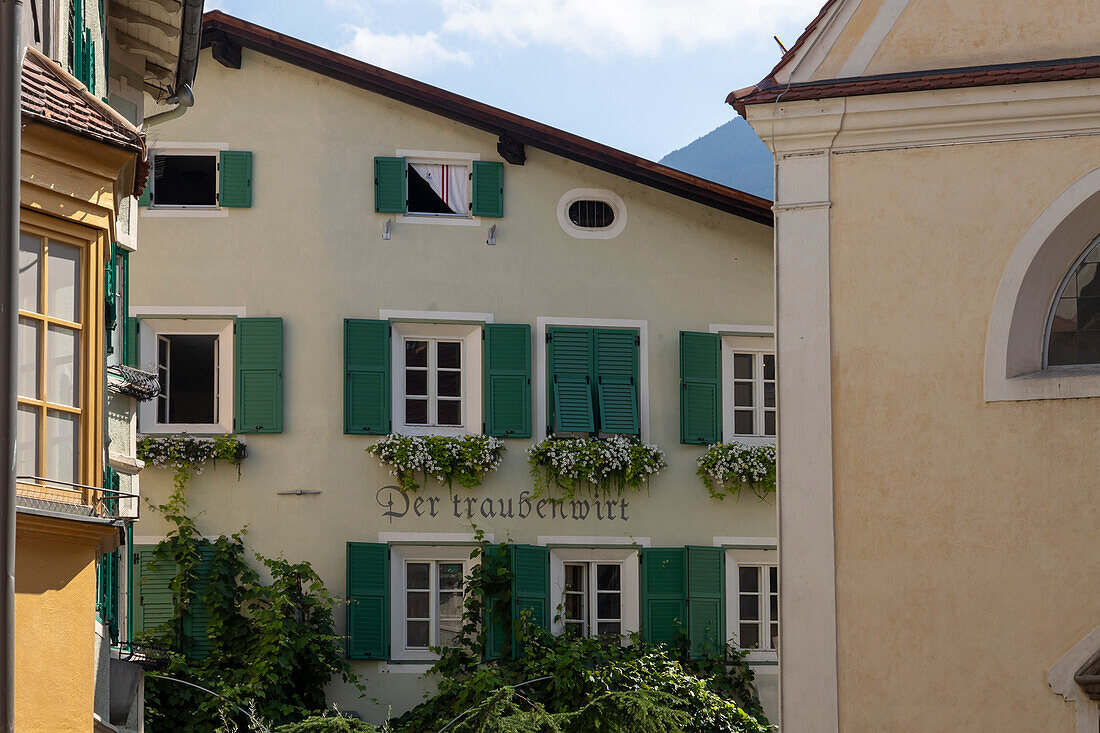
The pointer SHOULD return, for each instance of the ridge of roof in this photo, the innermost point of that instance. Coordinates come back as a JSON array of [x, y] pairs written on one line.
[[1070, 69], [219, 26]]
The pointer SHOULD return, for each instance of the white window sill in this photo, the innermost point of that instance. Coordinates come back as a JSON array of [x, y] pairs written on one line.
[[445, 219], [454, 432], [190, 429], [184, 212], [762, 657], [1052, 383], [752, 439]]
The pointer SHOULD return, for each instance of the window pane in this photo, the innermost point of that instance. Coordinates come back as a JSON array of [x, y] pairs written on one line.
[[1087, 281], [1062, 349], [416, 412], [63, 366], [608, 605], [1088, 314], [574, 577], [574, 630], [450, 412], [742, 366], [769, 394], [417, 575], [773, 605], [769, 423], [769, 366], [742, 422], [417, 634], [29, 348], [448, 631], [416, 353], [607, 577], [449, 355], [191, 378], [61, 447], [742, 394], [450, 384], [609, 628], [416, 382], [185, 180], [773, 579], [748, 579], [450, 575], [574, 606], [63, 297], [26, 442], [750, 608], [30, 258], [450, 605], [417, 604], [750, 636], [1088, 348], [1065, 315]]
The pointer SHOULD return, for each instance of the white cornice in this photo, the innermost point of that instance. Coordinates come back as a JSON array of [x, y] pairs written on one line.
[[930, 118]]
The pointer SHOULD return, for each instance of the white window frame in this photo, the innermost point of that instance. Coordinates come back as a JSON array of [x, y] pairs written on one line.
[[544, 322], [759, 558], [627, 557], [150, 330], [596, 194], [399, 556], [189, 210], [470, 335], [436, 157], [758, 346]]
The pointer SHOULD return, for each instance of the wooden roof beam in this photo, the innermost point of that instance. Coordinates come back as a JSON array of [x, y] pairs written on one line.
[[129, 16], [136, 45]]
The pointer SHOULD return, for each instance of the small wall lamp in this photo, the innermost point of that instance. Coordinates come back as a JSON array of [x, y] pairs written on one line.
[[492, 235], [386, 227]]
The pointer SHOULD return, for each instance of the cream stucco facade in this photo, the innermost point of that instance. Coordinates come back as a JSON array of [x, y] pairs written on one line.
[[310, 250], [938, 524]]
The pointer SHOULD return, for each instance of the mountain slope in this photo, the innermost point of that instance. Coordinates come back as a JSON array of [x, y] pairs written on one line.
[[731, 154]]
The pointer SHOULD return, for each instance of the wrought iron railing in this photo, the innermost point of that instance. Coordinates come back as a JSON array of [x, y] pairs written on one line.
[[66, 497]]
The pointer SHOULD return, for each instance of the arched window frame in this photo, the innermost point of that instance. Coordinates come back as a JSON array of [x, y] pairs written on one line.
[[1054, 306]]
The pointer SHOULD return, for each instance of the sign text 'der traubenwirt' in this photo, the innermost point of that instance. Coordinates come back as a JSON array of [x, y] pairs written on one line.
[[398, 504]]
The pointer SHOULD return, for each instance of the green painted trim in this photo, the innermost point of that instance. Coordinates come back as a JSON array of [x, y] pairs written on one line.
[[129, 582]]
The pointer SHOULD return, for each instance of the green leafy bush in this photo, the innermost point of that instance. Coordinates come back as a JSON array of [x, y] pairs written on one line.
[[728, 468], [447, 459], [327, 724]]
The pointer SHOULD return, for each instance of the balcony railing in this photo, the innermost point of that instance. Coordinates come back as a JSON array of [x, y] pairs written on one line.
[[80, 500]]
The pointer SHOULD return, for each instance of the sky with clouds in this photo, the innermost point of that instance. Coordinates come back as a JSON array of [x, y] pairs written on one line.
[[646, 76]]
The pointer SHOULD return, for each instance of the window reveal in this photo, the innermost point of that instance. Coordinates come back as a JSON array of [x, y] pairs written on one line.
[[435, 188], [433, 603], [758, 606], [433, 382]]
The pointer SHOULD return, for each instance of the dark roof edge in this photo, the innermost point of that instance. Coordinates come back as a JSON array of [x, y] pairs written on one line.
[[220, 26], [1021, 72]]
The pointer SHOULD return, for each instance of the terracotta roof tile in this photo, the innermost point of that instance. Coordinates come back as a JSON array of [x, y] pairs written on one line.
[[974, 76], [50, 95]]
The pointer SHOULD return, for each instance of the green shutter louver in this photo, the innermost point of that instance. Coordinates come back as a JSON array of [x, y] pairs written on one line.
[[154, 604], [664, 594], [368, 608], [146, 197], [366, 377], [570, 358], [507, 356], [617, 380], [130, 343], [700, 388], [494, 566], [197, 623], [235, 186], [706, 601], [488, 188], [259, 385], [531, 592], [389, 185]]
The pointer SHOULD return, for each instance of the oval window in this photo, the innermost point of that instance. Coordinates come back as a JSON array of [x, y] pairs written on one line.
[[591, 214]]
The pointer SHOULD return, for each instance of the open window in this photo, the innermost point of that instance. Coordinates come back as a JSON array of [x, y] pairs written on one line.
[[193, 359], [196, 179]]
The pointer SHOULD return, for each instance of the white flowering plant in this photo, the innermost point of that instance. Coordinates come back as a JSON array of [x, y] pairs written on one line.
[[596, 464], [465, 459], [727, 468], [187, 454]]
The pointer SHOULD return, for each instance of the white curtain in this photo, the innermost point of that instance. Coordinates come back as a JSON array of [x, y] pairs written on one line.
[[450, 183]]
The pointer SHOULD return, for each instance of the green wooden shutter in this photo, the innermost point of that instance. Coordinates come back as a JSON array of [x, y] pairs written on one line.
[[531, 592], [154, 603], [488, 188], [146, 197], [368, 595], [700, 388], [706, 596], [259, 388], [664, 594], [366, 377], [507, 369], [130, 344], [196, 627], [235, 187], [493, 565], [389, 185], [571, 366], [617, 380]]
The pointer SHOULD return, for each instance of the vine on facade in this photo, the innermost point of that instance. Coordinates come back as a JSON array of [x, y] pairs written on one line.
[[187, 455], [608, 464], [729, 468], [465, 459]]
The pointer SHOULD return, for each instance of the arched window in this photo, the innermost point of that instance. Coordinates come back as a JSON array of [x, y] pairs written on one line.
[[1073, 330]]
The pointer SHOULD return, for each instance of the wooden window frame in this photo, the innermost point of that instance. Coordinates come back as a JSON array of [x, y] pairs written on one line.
[[626, 557], [149, 333], [400, 557], [758, 347], [763, 560], [591, 621], [91, 358], [470, 334]]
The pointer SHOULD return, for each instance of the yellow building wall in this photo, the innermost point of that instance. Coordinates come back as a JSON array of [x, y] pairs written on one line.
[[966, 560], [934, 34], [55, 591]]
